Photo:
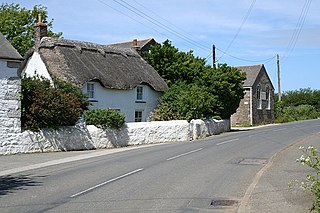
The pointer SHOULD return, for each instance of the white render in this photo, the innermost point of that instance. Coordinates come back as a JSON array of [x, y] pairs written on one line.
[[91, 137], [35, 66], [124, 100]]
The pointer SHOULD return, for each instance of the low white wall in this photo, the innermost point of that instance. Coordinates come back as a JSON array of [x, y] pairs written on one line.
[[91, 137], [204, 128], [83, 137]]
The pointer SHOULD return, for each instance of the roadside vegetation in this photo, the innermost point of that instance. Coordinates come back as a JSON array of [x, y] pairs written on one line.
[[196, 90], [302, 104], [311, 159]]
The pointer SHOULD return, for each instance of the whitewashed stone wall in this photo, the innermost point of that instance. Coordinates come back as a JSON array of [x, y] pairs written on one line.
[[204, 128], [83, 137], [10, 125]]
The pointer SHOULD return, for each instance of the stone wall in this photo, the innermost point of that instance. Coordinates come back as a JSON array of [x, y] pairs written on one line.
[[10, 125], [204, 128], [83, 137], [242, 117]]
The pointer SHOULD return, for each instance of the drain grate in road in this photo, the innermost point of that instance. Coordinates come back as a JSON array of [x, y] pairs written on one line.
[[223, 203], [252, 161]]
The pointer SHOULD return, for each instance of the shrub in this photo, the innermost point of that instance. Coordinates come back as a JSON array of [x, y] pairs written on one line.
[[46, 106], [292, 113], [311, 158], [187, 102], [104, 118]]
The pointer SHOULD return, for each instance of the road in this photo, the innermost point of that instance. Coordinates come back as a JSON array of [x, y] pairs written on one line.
[[209, 175]]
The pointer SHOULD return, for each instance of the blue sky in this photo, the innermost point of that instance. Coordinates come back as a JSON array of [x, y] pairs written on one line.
[[245, 32]]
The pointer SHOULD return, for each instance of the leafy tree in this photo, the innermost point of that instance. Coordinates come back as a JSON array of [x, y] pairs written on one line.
[[17, 25], [196, 90], [225, 83], [174, 65]]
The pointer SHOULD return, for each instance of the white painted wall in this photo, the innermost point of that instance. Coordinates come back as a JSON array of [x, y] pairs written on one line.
[[125, 100], [7, 72], [10, 125], [35, 65], [90, 137]]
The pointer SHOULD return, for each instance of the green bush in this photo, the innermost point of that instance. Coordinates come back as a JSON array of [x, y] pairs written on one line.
[[46, 106], [104, 118], [185, 102], [292, 113]]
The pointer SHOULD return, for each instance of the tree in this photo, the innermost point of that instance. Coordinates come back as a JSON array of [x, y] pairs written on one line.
[[196, 90], [173, 65], [16, 24], [225, 83]]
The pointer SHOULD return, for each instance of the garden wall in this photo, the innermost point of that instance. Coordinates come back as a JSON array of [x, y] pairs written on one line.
[[83, 137], [9, 111]]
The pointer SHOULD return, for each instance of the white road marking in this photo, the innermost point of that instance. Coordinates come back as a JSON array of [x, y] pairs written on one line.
[[187, 153], [229, 141], [106, 182]]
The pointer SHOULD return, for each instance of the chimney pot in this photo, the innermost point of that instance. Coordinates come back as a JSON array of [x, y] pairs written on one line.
[[40, 30], [135, 42]]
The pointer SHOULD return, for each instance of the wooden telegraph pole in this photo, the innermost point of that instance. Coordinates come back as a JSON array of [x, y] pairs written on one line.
[[213, 56], [279, 89]]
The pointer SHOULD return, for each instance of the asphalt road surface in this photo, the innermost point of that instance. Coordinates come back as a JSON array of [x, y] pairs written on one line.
[[209, 175]]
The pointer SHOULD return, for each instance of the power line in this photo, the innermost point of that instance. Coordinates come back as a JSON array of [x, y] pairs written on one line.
[[172, 31], [168, 22], [295, 36], [239, 29], [102, 2], [157, 23]]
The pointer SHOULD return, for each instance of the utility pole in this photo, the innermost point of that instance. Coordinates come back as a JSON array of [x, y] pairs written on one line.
[[279, 89], [213, 56]]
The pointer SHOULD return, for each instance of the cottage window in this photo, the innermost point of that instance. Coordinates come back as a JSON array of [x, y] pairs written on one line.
[[268, 105], [90, 90], [259, 100], [138, 116], [139, 93]]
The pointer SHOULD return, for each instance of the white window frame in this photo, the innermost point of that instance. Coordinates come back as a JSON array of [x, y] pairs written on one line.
[[139, 92], [259, 100], [138, 116], [268, 103], [91, 91]]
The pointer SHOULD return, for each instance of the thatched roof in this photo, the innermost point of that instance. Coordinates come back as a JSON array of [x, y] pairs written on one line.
[[79, 62], [7, 51]]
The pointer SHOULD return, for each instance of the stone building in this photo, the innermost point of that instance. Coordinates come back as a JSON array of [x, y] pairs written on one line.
[[257, 106]]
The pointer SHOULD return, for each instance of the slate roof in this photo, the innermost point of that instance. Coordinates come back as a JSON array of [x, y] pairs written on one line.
[[252, 73], [140, 43], [79, 62], [7, 51]]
